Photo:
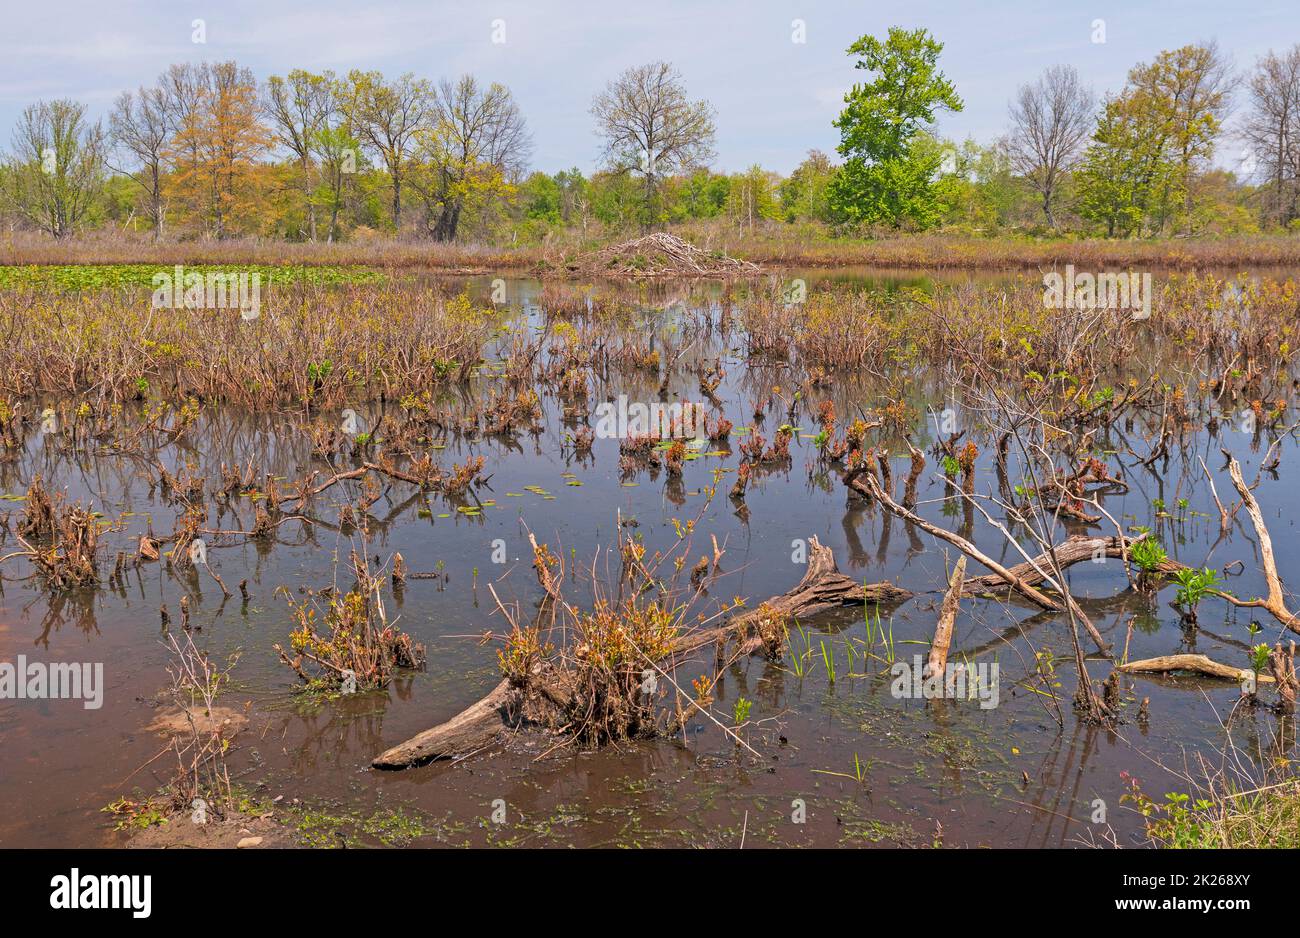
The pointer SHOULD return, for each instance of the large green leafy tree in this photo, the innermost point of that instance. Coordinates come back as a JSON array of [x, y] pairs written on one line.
[[890, 162], [1124, 169], [539, 196]]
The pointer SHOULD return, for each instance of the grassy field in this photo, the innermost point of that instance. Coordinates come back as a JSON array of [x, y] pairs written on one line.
[[776, 246]]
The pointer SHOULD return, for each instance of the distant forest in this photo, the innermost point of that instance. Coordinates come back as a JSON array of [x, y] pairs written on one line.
[[210, 151]]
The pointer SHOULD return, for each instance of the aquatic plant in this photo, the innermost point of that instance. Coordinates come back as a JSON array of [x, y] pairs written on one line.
[[1193, 586], [1148, 554], [323, 345], [344, 642]]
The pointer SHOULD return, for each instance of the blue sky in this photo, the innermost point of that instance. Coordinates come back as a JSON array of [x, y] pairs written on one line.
[[775, 98]]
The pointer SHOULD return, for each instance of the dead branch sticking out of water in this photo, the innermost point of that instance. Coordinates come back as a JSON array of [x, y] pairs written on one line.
[[864, 482], [1281, 661], [1275, 602], [430, 477], [508, 706], [202, 780], [947, 618]]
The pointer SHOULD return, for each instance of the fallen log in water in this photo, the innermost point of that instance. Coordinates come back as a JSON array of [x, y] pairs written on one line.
[[1198, 663], [822, 588], [1072, 550], [473, 728]]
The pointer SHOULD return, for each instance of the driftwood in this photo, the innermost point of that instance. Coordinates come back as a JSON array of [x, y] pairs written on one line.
[[1198, 663], [947, 618], [865, 483], [822, 588], [1081, 547], [1072, 550], [306, 490], [471, 729]]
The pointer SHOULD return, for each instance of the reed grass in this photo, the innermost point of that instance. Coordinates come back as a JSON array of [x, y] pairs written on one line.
[[310, 344], [776, 246]]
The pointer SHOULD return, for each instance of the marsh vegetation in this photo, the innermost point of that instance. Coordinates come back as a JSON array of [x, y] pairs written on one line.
[[376, 524]]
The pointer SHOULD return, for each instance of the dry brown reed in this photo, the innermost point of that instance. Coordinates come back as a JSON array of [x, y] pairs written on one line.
[[315, 345]]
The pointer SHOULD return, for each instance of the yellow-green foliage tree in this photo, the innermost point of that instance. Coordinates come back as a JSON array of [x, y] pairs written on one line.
[[386, 116], [301, 109], [1152, 140], [470, 154], [57, 171], [217, 142]]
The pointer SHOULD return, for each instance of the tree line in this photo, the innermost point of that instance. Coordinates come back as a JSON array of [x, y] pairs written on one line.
[[208, 150]]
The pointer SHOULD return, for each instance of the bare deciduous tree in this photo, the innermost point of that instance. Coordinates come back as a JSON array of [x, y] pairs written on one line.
[[139, 127], [386, 115], [1051, 119], [1272, 130], [651, 127]]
